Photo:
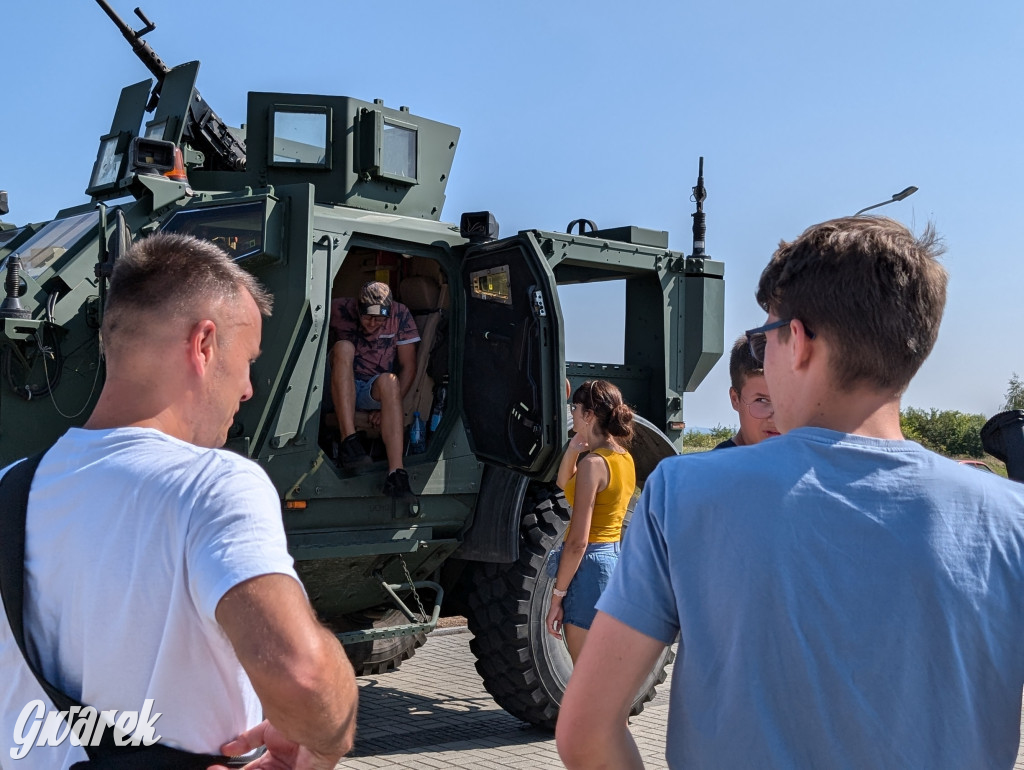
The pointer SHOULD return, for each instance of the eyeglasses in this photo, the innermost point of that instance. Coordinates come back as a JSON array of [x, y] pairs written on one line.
[[572, 407], [760, 408], [758, 338]]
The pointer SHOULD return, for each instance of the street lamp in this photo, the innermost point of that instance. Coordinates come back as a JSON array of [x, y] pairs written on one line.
[[906, 193]]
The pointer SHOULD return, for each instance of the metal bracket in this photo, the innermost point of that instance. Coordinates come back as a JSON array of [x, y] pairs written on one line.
[[409, 629]]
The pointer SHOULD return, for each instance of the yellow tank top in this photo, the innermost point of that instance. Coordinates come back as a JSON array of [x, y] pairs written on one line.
[[611, 502]]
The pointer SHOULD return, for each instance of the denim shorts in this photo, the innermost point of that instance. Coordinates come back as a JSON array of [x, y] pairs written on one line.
[[590, 580], [364, 401]]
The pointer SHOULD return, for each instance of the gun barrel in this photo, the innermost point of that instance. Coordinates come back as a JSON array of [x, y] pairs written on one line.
[[141, 48]]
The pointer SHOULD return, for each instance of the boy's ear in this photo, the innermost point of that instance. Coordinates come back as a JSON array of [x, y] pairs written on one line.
[[734, 397], [800, 342]]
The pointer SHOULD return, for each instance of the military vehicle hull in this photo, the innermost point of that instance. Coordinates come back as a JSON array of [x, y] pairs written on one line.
[[314, 217]]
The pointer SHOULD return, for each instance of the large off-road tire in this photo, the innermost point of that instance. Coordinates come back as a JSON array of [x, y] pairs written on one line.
[[381, 655], [523, 667]]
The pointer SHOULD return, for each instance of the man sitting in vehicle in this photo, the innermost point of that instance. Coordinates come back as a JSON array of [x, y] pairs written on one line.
[[368, 333]]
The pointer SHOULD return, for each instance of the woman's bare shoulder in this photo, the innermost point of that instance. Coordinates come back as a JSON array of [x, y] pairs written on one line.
[[592, 462]]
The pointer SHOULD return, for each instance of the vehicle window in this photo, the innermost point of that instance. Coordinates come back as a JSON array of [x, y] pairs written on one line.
[[54, 240], [237, 228], [300, 137]]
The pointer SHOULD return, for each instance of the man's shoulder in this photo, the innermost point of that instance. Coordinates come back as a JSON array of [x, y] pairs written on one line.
[[712, 475], [345, 307], [142, 449], [401, 314]]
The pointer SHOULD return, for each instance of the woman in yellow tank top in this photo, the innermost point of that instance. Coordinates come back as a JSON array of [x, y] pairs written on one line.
[[598, 477]]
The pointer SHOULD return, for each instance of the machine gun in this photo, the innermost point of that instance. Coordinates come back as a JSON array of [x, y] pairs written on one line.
[[203, 129]]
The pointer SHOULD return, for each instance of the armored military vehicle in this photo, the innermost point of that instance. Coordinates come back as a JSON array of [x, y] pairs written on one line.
[[317, 195]]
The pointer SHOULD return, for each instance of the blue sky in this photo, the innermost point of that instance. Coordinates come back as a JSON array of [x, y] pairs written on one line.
[[803, 111]]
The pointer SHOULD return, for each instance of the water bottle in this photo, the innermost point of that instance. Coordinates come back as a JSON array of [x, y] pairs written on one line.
[[437, 412], [417, 435]]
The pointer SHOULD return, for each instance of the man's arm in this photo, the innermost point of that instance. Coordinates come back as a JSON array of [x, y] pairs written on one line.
[[592, 733], [299, 670], [406, 366]]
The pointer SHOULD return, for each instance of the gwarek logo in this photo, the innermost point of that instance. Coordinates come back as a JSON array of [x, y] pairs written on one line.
[[83, 726]]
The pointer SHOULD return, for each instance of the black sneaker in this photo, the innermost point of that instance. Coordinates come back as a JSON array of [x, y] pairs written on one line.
[[397, 486], [352, 454]]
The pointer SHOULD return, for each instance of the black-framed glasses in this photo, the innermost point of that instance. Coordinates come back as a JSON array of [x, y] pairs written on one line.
[[758, 338]]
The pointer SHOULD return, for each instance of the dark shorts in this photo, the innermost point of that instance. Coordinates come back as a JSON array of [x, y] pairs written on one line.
[[590, 580]]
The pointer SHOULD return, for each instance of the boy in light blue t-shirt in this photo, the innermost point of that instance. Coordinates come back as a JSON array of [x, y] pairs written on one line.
[[843, 598]]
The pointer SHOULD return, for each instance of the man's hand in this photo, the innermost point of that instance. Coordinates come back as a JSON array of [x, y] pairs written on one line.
[[374, 418], [281, 754]]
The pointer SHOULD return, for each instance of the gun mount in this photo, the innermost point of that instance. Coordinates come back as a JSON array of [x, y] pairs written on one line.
[[212, 144]]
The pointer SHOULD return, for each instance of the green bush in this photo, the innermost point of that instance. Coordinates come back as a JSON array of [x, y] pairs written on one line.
[[948, 432], [700, 441]]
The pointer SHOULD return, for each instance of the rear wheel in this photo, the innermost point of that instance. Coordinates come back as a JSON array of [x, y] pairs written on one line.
[[523, 667], [380, 655]]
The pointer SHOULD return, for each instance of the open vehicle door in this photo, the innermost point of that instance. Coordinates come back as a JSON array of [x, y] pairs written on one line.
[[513, 365]]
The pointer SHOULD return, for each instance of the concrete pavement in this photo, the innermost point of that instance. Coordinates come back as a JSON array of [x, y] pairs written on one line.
[[435, 713]]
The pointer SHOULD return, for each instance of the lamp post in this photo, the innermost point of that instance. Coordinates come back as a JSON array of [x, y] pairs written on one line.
[[905, 193]]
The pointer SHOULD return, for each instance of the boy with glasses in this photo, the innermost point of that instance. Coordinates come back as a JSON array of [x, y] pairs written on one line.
[[843, 597], [750, 399]]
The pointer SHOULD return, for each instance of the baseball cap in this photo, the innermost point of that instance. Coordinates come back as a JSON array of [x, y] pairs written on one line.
[[375, 299]]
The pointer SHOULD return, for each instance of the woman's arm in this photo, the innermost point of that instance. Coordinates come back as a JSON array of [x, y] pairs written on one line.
[[567, 467]]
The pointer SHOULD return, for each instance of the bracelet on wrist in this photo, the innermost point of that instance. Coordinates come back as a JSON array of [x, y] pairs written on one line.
[[558, 593]]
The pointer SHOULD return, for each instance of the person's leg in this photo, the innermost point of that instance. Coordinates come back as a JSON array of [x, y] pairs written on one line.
[[386, 390], [574, 638], [343, 386]]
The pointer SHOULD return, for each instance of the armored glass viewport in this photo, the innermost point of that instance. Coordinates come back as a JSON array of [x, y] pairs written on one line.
[[398, 150], [300, 136]]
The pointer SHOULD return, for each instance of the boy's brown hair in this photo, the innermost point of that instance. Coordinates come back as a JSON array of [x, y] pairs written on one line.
[[742, 364], [867, 285]]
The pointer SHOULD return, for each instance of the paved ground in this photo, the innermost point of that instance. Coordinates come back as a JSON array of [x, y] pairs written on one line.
[[435, 713]]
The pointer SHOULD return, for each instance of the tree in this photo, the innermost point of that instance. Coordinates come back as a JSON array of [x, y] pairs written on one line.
[[1014, 393], [947, 432]]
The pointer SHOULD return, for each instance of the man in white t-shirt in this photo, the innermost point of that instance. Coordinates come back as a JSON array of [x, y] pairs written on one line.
[[156, 566]]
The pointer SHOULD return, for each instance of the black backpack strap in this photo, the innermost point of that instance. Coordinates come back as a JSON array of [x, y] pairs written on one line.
[[14, 489]]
